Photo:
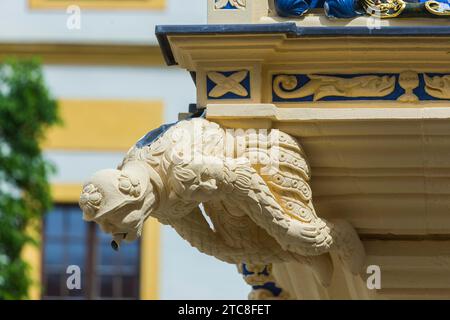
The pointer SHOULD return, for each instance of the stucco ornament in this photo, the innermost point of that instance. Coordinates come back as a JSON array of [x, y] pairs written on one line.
[[238, 4], [226, 84], [409, 80], [321, 86], [254, 188], [438, 86]]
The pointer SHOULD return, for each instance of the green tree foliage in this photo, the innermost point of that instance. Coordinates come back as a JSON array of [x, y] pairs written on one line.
[[26, 111]]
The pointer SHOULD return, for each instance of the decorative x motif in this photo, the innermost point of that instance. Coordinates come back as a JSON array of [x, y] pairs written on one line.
[[228, 84]]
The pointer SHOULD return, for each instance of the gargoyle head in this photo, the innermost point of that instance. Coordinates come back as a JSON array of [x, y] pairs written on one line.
[[118, 200]]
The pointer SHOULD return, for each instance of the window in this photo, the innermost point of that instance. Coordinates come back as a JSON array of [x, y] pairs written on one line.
[[105, 274], [98, 4]]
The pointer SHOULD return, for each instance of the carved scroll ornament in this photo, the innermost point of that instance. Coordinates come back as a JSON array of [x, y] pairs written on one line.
[[262, 210], [320, 86]]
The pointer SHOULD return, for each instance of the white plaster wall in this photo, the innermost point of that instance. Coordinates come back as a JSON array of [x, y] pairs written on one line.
[[170, 84], [18, 23]]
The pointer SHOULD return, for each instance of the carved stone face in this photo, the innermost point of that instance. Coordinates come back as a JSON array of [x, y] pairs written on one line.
[[115, 200]]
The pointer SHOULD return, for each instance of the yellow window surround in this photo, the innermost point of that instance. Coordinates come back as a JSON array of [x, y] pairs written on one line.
[[85, 54], [102, 125], [99, 4]]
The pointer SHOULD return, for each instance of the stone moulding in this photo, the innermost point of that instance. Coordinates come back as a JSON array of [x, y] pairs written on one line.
[[254, 187]]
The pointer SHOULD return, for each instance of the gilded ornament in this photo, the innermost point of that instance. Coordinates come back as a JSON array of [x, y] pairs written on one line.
[[320, 86]]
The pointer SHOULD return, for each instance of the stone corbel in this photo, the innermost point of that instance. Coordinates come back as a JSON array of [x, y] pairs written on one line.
[[254, 186]]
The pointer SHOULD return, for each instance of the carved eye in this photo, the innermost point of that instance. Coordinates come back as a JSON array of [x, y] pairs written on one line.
[[295, 184]]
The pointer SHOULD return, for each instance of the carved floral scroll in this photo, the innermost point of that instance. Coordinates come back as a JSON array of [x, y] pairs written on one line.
[[320, 86], [406, 87]]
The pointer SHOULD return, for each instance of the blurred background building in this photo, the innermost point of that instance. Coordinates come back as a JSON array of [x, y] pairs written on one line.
[[104, 66]]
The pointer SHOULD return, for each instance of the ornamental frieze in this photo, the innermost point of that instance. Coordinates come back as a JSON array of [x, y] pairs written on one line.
[[407, 86]]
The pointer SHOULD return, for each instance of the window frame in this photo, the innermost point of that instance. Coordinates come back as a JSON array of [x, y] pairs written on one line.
[[91, 285]]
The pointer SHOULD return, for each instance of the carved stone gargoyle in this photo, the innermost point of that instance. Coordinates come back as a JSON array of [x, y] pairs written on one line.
[[257, 196]]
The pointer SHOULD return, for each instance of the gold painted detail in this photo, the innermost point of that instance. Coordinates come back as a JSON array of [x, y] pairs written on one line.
[[385, 8], [438, 86], [238, 4], [325, 86], [228, 84], [437, 8], [409, 80]]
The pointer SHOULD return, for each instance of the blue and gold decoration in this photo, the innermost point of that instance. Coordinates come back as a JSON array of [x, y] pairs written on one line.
[[408, 86], [262, 282], [345, 9], [228, 85]]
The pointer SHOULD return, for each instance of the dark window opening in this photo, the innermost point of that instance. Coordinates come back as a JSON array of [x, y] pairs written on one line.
[[105, 273]]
